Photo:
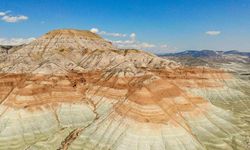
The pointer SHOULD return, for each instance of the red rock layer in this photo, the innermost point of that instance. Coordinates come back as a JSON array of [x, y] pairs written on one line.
[[168, 93]]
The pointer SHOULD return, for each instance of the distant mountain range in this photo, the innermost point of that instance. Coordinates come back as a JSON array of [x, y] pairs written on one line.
[[208, 57], [206, 53]]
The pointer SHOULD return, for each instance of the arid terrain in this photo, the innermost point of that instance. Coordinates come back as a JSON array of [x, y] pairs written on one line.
[[73, 90]]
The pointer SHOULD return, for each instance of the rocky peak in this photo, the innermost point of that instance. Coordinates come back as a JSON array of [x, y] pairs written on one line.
[[67, 49], [71, 33], [68, 40]]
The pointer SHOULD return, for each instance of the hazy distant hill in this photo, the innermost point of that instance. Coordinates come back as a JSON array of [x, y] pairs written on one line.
[[232, 60], [208, 57], [206, 53]]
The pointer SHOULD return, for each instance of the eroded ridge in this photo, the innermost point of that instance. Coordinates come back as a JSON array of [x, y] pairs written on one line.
[[104, 110]]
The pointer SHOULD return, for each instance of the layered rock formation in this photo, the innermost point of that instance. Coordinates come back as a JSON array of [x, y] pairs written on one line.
[[71, 89]]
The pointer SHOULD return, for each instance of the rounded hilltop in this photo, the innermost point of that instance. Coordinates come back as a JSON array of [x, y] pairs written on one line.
[[64, 50], [68, 39], [73, 33]]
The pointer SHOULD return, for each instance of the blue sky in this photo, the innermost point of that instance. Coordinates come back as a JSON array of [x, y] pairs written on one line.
[[155, 25]]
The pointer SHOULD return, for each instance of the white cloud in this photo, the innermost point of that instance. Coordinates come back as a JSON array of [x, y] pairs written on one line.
[[133, 43], [133, 36], [164, 46], [2, 13], [15, 41], [213, 33], [12, 19], [94, 30], [145, 45], [112, 34]]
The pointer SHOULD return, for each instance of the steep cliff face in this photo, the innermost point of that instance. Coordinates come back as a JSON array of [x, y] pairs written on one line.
[[79, 92]]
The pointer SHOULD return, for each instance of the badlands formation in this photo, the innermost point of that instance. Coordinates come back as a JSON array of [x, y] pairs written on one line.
[[72, 90]]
